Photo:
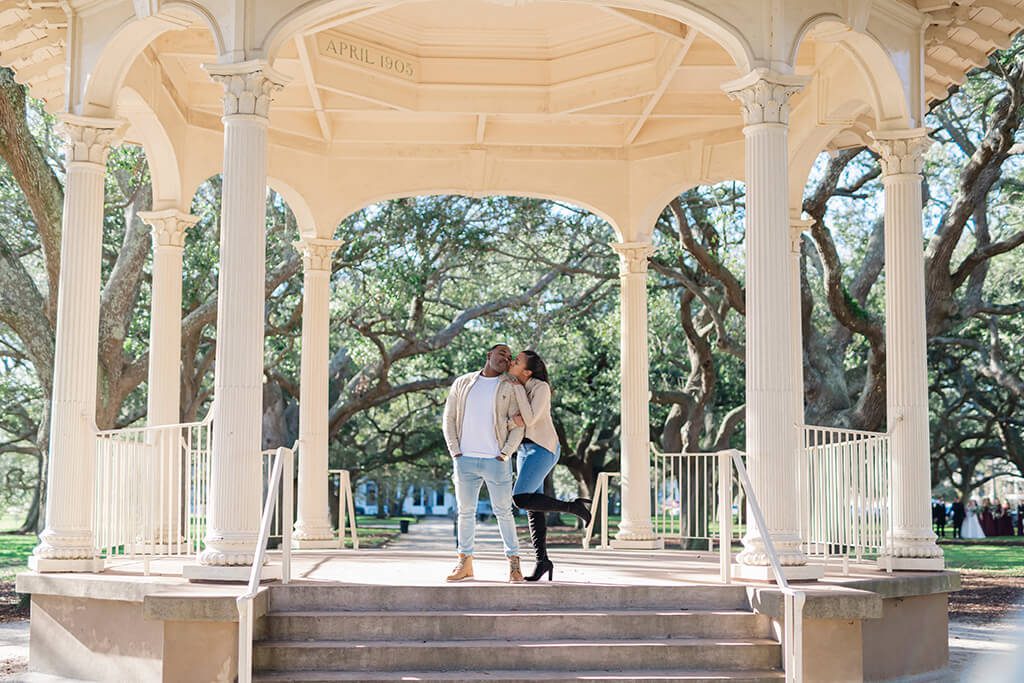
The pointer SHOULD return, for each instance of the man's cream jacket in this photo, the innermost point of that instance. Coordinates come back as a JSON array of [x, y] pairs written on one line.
[[505, 408]]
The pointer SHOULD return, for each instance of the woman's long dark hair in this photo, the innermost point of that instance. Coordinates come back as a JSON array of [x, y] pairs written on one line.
[[535, 364]]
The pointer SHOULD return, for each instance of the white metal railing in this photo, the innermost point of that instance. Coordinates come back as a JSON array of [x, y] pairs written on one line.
[[600, 507], [346, 506], [793, 600], [280, 487], [151, 490], [687, 489], [845, 488]]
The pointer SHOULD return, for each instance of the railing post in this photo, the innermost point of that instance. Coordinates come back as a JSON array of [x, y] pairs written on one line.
[[725, 516], [288, 484], [244, 639]]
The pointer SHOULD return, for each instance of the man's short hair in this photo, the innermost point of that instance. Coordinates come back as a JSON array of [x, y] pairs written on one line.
[[497, 345]]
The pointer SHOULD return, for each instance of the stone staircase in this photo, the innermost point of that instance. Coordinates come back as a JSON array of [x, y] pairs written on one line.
[[533, 632]]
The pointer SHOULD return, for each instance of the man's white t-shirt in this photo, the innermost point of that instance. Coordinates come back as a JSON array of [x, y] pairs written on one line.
[[478, 439]]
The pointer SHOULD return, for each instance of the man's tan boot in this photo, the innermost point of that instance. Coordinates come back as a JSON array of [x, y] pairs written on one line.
[[463, 570], [515, 572]]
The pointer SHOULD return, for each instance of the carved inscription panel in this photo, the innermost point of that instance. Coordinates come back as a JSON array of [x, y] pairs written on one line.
[[358, 53]]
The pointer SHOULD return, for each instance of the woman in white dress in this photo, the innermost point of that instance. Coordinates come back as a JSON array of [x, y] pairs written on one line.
[[971, 527]]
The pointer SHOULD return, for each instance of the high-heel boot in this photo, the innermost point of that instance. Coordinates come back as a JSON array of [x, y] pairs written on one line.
[[540, 503], [539, 537]]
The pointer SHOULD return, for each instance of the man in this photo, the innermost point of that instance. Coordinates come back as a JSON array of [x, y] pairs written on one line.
[[481, 440], [939, 517], [958, 516]]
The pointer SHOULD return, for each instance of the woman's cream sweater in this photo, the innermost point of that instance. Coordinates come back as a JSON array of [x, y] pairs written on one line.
[[535, 406]]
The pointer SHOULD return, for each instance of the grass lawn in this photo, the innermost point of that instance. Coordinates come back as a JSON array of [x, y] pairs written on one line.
[[1000, 555], [14, 552]]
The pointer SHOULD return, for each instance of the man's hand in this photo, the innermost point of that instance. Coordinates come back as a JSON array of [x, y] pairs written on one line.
[[520, 422], [457, 455]]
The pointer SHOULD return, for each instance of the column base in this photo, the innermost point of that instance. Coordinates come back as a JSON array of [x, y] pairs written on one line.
[[647, 544], [89, 565], [229, 574], [314, 544], [911, 564], [792, 572]]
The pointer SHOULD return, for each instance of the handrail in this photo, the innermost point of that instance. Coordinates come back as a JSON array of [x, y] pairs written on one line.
[[123, 430], [600, 501], [792, 639], [346, 503], [282, 461]]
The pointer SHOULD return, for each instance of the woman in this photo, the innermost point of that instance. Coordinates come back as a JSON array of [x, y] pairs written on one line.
[[537, 456], [971, 527]]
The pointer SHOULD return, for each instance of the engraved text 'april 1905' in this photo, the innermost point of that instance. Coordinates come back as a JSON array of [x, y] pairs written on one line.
[[361, 54]]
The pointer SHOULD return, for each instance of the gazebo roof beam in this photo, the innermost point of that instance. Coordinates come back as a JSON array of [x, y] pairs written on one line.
[[668, 72], [26, 50], [1009, 11], [314, 92], [652, 22]]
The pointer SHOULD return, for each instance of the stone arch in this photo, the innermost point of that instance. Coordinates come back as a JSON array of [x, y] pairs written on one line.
[[691, 13], [304, 217], [427, 191], [148, 130], [875, 64], [104, 73]]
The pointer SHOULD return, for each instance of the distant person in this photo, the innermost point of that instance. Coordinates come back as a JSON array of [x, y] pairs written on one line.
[[1004, 522], [537, 457], [481, 439], [988, 522], [1020, 518], [939, 517], [958, 516], [972, 527]]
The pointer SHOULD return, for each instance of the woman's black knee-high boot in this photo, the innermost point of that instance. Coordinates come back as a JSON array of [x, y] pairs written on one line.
[[542, 503], [539, 537]]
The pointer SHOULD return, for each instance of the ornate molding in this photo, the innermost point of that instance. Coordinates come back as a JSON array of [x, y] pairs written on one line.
[[764, 95], [797, 227], [168, 226], [901, 152], [88, 139], [633, 257], [249, 87], [316, 253], [65, 545]]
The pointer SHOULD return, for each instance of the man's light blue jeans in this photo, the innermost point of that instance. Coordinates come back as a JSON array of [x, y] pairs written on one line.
[[468, 474]]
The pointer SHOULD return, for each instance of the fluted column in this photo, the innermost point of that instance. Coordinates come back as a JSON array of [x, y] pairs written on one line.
[[635, 530], [164, 385], [912, 542], [771, 368], [313, 522], [797, 226], [66, 545], [233, 513], [163, 399]]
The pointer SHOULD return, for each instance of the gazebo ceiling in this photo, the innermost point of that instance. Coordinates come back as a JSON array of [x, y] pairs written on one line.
[[462, 71], [468, 72]]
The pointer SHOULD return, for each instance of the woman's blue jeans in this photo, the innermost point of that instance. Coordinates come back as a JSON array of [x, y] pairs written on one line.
[[533, 462]]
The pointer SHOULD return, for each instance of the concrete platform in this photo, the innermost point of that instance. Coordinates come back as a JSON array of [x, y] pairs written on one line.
[[856, 625]]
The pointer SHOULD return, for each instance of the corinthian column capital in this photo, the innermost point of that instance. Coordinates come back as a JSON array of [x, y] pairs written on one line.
[[88, 139], [249, 86], [764, 95], [633, 256], [168, 226], [901, 151], [316, 253]]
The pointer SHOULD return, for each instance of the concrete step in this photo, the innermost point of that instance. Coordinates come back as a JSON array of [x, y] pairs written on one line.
[[475, 596], [737, 654], [515, 625], [761, 676]]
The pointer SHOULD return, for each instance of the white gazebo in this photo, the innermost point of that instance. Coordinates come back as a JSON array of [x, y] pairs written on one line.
[[616, 106]]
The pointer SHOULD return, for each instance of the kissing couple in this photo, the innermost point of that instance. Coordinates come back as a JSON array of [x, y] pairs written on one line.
[[490, 415]]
